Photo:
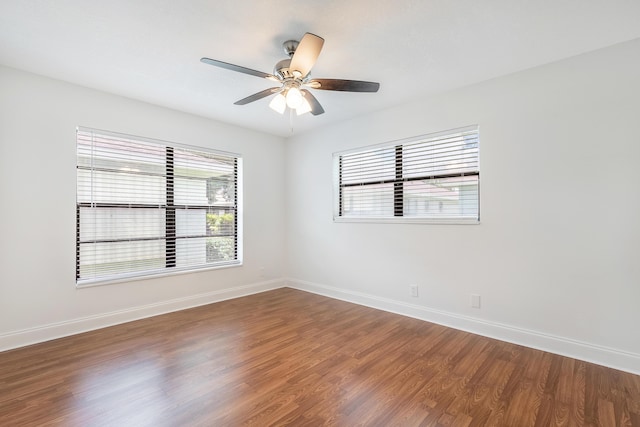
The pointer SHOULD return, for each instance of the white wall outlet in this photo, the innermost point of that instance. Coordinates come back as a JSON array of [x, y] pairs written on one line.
[[475, 301], [414, 290], [261, 270]]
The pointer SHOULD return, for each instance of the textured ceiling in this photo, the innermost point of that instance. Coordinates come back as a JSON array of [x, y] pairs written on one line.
[[150, 49]]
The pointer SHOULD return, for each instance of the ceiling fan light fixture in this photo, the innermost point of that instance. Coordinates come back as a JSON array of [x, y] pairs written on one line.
[[278, 103], [303, 108], [293, 76], [294, 97]]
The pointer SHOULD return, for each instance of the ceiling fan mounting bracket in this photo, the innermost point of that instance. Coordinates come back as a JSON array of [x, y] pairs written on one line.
[[290, 47]]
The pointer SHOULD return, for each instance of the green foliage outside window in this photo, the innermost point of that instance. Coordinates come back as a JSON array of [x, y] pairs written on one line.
[[220, 248], [220, 224]]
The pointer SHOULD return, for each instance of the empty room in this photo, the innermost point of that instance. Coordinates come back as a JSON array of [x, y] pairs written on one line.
[[308, 213]]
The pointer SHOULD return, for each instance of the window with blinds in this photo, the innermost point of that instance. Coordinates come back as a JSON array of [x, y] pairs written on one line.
[[430, 178], [146, 207]]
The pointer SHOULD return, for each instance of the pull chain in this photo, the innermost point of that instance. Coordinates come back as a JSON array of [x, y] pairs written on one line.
[[291, 119]]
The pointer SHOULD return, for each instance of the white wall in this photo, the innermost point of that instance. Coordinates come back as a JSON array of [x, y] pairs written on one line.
[[556, 256], [38, 298]]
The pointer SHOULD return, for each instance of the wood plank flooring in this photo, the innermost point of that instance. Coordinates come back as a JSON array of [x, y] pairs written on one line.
[[287, 357]]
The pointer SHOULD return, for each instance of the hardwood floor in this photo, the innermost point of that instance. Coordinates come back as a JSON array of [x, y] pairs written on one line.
[[287, 357]]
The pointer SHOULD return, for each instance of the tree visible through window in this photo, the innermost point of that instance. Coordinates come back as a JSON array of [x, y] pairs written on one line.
[[148, 207]]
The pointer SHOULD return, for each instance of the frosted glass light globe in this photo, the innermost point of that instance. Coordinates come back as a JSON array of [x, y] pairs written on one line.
[[278, 103], [294, 98]]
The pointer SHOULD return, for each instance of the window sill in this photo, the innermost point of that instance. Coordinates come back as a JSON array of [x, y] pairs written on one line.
[[405, 220], [163, 273]]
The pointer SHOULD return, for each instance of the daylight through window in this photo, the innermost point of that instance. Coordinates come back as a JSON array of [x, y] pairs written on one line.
[[147, 207], [431, 178]]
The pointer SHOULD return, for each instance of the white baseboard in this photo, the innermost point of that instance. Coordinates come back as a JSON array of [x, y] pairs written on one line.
[[617, 359], [51, 331], [613, 358]]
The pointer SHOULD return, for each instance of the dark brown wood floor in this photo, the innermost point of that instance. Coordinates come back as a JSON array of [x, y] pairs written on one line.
[[288, 357]]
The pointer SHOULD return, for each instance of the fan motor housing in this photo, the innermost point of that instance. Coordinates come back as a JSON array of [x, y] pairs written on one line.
[[282, 69]]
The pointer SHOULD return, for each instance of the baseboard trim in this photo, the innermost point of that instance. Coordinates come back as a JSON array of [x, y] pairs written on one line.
[[613, 358], [52, 331]]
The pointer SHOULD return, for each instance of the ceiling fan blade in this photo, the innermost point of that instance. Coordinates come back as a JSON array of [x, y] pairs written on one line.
[[316, 108], [306, 54], [257, 96], [343, 85], [239, 69]]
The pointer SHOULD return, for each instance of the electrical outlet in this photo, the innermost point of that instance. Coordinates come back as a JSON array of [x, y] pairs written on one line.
[[475, 301], [414, 290], [261, 270]]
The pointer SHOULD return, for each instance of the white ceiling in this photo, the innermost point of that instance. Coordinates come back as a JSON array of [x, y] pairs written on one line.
[[150, 49]]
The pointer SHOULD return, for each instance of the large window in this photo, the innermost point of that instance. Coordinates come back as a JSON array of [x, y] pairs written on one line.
[[147, 207], [430, 178]]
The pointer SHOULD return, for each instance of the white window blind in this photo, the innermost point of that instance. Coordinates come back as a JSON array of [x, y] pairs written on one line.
[[432, 177], [146, 207]]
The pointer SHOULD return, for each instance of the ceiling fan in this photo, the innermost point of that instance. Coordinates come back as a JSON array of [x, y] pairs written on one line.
[[295, 81]]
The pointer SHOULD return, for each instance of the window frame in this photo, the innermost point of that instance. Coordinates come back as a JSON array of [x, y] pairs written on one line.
[[398, 180], [170, 226]]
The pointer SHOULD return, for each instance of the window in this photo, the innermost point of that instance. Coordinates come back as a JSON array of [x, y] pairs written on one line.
[[146, 207], [430, 178]]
